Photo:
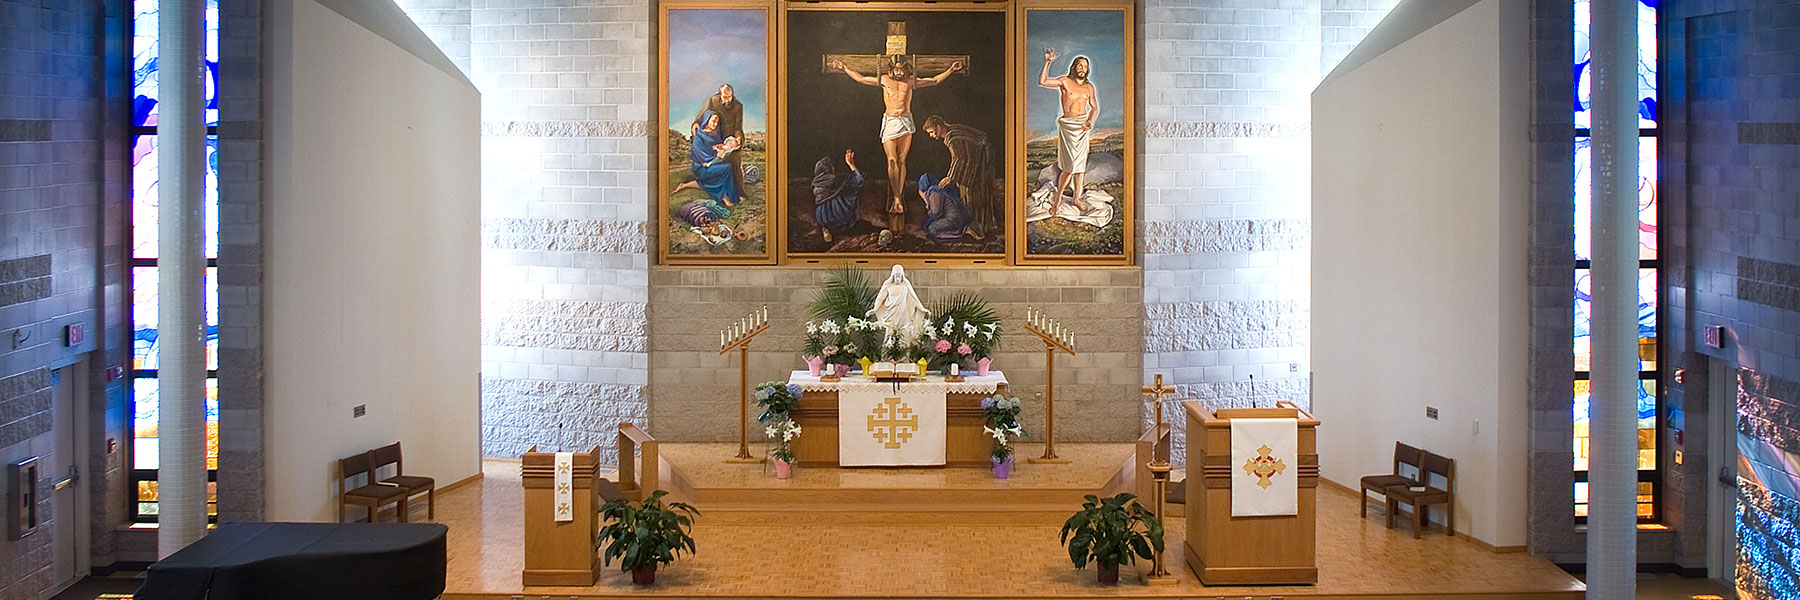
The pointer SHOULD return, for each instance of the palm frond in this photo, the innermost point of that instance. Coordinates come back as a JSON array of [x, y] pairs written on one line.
[[965, 307], [848, 293]]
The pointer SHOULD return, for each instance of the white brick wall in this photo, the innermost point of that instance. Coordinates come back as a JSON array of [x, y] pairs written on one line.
[[1227, 92], [565, 196]]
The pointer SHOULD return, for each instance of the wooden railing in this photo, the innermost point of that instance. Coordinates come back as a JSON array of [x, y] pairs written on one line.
[[1153, 445], [639, 476]]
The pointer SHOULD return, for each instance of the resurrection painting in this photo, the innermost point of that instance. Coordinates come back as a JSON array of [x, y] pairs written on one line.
[[897, 132], [1077, 148], [714, 200]]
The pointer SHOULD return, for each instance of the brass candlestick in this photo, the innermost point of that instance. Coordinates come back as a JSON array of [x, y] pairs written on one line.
[[1055, 337], [737, 336]]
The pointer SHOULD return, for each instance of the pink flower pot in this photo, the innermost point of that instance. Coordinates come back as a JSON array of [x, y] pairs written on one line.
[[814, 364], [840, 370], [981, 366], [783, 470], [1003, 468]]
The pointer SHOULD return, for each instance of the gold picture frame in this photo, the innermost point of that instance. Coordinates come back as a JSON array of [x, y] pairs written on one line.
[[1036, 240], [999, 144], [1011, 148], [715, 42]]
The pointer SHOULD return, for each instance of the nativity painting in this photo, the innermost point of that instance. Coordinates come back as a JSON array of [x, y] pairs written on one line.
[[716, 143]]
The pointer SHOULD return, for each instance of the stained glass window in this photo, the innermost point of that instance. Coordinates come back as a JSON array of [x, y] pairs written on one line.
[[1649, 478], [144, 254]]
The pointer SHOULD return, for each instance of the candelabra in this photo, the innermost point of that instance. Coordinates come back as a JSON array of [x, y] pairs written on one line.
[[1056, 337], [737, 336]]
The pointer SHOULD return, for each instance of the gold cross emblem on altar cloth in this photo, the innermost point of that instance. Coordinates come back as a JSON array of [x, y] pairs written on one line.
[[564, 488], [1264, 466], [893, 423], [563, 468]]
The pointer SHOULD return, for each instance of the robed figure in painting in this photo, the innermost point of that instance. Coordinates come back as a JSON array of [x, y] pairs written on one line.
[[970, 171], [731, 125], [836, 197], [708, 153], [946, 216]]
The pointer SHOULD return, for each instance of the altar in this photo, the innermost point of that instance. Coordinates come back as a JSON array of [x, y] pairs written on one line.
[[859, 422]]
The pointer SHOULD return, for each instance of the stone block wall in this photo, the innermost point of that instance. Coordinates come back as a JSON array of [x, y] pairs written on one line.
[[61, 251], [566, 95], [1731, 160], [1225, 97], [694, 389]]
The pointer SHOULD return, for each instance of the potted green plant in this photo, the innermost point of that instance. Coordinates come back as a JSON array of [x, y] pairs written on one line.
[[1112, 532], [645, 536]]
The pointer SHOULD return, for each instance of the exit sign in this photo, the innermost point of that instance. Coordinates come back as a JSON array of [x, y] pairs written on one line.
[[73, 334]]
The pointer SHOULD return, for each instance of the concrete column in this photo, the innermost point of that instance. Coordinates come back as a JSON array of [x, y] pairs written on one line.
[[1612, 416], [181, 262]]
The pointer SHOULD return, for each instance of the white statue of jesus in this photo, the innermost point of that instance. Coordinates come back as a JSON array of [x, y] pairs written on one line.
[[898, 305]]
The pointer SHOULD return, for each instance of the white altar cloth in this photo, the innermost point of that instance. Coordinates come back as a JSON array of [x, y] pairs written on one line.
[[971, 383], [883, 424]]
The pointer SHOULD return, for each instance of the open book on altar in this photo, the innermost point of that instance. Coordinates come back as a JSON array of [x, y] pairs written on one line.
[[894, 369]]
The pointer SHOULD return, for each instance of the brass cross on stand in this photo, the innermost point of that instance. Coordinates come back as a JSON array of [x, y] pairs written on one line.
[[925, 65], [1156, 393]]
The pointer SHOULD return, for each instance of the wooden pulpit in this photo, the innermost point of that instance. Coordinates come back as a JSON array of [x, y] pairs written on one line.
[[560, 553], [1264, 550]]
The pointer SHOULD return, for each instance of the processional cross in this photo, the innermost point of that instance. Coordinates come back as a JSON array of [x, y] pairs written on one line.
[[924, 65]]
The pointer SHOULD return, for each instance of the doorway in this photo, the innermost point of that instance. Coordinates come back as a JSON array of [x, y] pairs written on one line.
[[1721, 491], [67, 466]]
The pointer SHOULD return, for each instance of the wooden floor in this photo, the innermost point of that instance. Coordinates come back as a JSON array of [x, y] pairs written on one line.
[[948, 533]]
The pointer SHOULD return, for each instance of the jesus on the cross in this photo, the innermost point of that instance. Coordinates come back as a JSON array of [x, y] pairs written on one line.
[[897, 128]]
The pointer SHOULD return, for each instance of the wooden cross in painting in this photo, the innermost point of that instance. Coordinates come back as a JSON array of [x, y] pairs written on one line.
[[924, 65]]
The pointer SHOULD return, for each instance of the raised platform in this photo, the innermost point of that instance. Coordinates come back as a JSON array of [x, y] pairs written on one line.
[[947, 533]]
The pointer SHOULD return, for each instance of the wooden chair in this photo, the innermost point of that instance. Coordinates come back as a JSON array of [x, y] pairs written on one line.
[[1403, 455], [413, 484], [373, 495], [1430, 464]]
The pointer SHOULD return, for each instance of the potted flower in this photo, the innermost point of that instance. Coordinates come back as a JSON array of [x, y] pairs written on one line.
[[816, 341], [1112, 532], [964, 331], [646, 535], [783, 431], [777, 399], [1002, 416]]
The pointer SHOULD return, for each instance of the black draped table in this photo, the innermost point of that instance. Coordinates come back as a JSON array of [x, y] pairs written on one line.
[[305, 560]]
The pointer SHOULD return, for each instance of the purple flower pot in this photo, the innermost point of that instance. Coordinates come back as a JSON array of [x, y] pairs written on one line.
[[840, 370], [1003, 468]]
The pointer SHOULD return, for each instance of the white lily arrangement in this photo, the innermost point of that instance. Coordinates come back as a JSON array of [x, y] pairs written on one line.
[[783, 432]]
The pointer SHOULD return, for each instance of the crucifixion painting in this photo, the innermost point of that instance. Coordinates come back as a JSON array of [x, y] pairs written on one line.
[[939, 73], [898, 75]]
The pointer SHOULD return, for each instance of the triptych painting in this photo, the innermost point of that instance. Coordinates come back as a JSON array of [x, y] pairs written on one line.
[[997, 133]]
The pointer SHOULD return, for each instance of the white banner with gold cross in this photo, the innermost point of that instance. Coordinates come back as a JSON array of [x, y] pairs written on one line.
[[564, 492], [1265, 467], [884, 426]]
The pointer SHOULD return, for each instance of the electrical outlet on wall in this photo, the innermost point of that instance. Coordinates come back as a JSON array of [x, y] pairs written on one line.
[[1431, 412], [359, 410]]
